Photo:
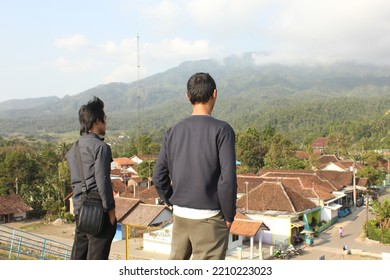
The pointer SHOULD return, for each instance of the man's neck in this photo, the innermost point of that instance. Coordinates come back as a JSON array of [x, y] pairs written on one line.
[[201, 109]]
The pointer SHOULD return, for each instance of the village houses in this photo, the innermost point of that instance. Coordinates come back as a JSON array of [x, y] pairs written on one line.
[[275, 207]]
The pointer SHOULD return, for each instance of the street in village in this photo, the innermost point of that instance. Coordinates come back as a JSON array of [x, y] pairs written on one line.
[[328, 245]]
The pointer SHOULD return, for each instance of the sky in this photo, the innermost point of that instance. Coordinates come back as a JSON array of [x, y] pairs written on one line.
[[58, 48]]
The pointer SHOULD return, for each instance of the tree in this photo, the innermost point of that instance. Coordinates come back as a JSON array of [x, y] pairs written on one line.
[[145, 169], [373, 159], [374, 175], [338, 143], [62, 149], [250, 149], [382, 214], [281, 154]]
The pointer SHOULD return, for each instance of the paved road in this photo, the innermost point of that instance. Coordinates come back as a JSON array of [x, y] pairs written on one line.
[[330, 245]]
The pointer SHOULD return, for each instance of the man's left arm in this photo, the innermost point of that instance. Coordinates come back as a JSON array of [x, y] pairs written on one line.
[[102, 176], [227, 184]]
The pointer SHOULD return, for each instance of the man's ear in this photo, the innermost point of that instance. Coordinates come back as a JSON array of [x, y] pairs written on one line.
[[215, 93], [188, 96]]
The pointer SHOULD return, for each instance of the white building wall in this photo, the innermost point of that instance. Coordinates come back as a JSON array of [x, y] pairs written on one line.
[[326, 214], [234, 244], [158, 241], [20, 216], [280, 228]]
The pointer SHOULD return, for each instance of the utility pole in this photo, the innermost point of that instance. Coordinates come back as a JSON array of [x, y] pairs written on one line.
[[16, 185], [367, 196], [138, 98], [354, 183], [247, 197]]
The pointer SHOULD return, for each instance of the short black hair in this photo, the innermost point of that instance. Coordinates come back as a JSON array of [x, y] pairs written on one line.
[[200, 88], [91, 112]]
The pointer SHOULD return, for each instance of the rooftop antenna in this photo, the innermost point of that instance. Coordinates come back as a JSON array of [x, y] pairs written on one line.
[[138, 98]]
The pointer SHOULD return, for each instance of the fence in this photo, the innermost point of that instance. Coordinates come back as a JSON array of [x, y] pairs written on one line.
[[18, 244]]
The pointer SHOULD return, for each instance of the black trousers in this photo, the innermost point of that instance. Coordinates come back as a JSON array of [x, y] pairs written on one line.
[[93, 247]]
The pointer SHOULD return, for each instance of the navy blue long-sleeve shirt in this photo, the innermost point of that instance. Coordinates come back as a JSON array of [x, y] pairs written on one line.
[[196, 166]]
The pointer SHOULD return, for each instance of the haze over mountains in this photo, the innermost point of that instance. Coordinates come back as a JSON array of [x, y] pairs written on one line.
[[290, 98]]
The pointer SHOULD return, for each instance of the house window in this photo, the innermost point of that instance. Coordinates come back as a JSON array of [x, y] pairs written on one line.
[[235, 237]]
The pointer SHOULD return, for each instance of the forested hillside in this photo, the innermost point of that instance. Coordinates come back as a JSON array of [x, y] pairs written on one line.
[[302, 102]]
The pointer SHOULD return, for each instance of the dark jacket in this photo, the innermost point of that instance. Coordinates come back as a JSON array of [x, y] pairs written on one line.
[[96, 160], [196, 166]]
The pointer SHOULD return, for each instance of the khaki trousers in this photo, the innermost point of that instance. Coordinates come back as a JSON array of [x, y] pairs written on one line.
[[205, 239]]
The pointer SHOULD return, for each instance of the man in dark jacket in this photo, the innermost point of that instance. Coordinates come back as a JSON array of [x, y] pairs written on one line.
[[196, 173], [96, 162]]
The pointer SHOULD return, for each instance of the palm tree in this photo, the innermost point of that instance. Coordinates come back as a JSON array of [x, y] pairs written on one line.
[[62, 149], [382, 214]]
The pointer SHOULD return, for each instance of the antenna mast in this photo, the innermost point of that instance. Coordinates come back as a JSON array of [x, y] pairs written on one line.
[[138, 98]]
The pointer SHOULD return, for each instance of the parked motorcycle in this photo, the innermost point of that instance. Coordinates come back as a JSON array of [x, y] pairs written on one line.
[[281, 254], [293, 250]]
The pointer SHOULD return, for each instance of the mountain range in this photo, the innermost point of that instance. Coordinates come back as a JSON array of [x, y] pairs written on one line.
[[296, 99]]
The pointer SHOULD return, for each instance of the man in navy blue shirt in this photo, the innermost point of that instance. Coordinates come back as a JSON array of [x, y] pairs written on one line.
[[195, 173]]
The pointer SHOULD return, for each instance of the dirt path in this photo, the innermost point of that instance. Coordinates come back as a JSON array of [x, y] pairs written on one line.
[[57, 229]]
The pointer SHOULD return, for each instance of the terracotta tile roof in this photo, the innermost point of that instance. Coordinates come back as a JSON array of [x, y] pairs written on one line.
[[363, 182], [302, 154], [118, 185], [301, 182], [124, 206], [275, 196], [348, 164], [148, 196], [296, 184], [339, 179], [310, 184], [127, 195], [137, 179], [320, 142], [252, 180], [325, 159], [147, 157], [143, 215], [309, 178], [263, 172], [124, 161], [12, 204], [345, 165], [246, 227], [116, 172], [323, 193], [130, 191]]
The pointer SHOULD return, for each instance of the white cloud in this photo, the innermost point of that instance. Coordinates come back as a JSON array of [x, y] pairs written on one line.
[[165, 10], [72, 43], [74, 66], [224, 13], [110, 48], [330, 31], [123, 73], [178, 49], [154, 57], [126, 48]]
